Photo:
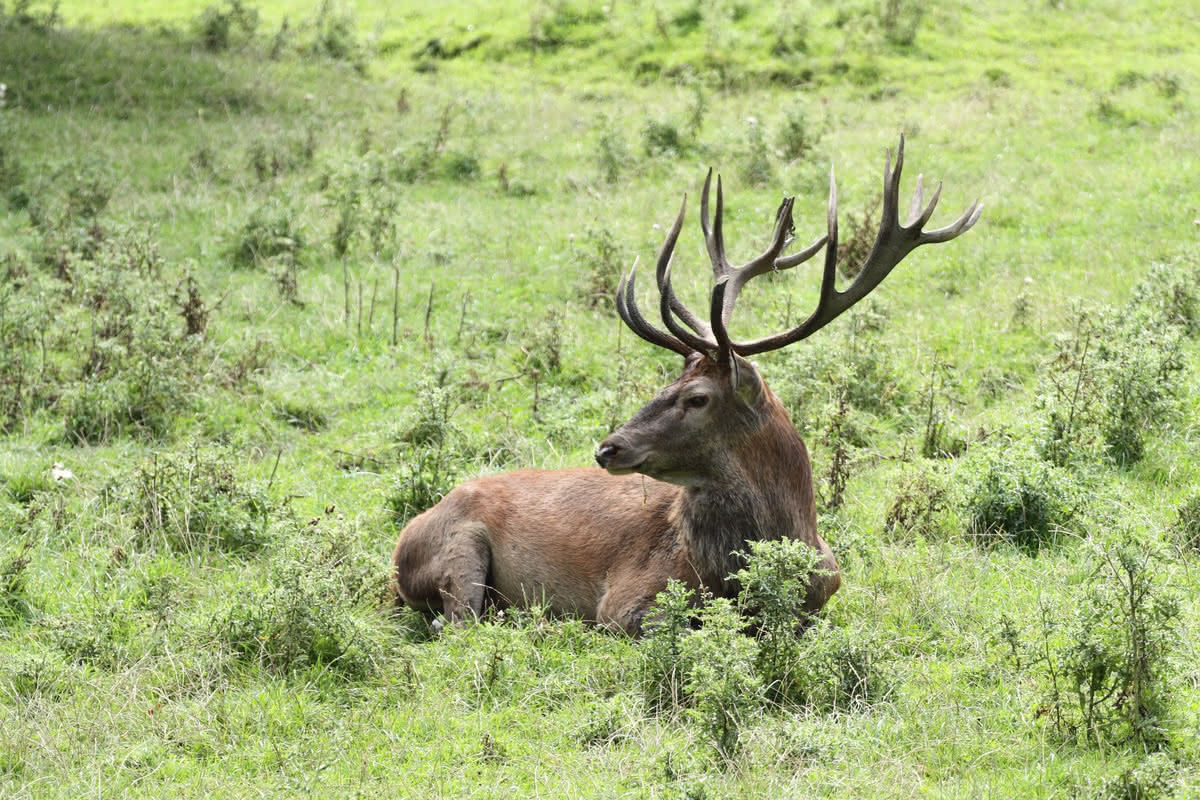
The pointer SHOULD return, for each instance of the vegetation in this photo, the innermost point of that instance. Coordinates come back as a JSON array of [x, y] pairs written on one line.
[[275, 276]]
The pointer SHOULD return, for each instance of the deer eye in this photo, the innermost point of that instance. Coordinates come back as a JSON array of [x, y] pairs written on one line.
[[696, 401]]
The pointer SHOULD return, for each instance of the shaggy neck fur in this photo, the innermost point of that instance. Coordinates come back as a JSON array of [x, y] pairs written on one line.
[[763, 491]]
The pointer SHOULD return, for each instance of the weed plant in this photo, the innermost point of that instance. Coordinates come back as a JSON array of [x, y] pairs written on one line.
[[1014, 497], [313, 613]]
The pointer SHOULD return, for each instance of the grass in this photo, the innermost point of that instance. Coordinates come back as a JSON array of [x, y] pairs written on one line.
[[427, 235]]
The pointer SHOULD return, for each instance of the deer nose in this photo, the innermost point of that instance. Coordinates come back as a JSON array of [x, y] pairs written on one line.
[[605, 453]]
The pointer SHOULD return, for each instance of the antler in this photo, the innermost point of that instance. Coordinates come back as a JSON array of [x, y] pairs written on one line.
[[769, 260], [893, 242]]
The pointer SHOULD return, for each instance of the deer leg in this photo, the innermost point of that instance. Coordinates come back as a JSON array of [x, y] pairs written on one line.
[[463, 570], [624, 605]]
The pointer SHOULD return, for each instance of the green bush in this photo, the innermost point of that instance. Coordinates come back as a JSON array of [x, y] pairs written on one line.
[[1012, 496], [662, 139], [721, 683], [271, 230], [797, 136], [756, 158], [1186, 528], [1118, 374], [663, 668], [612, 154], [920, 505], [217, 28], [14, 597], [125, 338], [194, 502], [841, 668], [774, 588], [432, 457], [316, 611], [1104, 666]]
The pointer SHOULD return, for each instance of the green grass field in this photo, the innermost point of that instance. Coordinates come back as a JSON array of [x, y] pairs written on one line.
[[274, 277]]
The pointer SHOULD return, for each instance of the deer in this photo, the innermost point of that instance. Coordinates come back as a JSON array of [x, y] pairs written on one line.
[[710, 464]]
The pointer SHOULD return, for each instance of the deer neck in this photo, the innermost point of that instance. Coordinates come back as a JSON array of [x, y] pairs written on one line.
[[762, 491]]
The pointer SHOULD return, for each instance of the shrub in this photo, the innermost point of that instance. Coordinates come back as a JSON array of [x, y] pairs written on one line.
[[662, 139], [1170, 295], [723, 688], [839, 668], [271, 230], [14, 598], [140, 363], [756, 158], [430, 465], [919, 507], [604, 259], [193, 502], [335, 36], [1012, 496], [461, 167], [1113, 376], [663, 668], [1186, 527], [900, 20], [316, 610], [612, 154], [216, 28], [774, 588], [797, 135], [1104, 667]]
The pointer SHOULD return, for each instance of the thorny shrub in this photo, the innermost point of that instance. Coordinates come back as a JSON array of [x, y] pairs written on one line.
[[1012, 496], [315, 609], [1102, 657], [194, 502]]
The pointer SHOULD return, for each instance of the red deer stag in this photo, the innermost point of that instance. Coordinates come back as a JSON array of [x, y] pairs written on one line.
[[709, 464]]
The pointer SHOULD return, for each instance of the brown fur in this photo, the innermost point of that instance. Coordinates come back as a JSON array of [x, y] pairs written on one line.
[[600, 545]]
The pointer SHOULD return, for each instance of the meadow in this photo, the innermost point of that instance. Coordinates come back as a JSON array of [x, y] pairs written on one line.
[[275, 276]]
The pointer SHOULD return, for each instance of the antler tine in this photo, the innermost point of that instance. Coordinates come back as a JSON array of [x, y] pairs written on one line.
[[714, 239], [787, 262], [892, 244], [664, 306], [959, 226], [765, 262], [717, 313], [628, 311], [664, 284]]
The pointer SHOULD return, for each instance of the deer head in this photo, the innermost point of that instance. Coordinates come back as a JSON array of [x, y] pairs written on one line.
[[684, 434]]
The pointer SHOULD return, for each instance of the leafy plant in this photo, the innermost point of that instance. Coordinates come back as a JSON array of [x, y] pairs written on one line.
[[218, 27], [662, 139], [1104, 667], [797, 136], [194, 502], [14, 596], [756, 158], [271, 230], [723, 688], [1012, 496], [314, 610], [663, 667], [774, 586], [612, 154]]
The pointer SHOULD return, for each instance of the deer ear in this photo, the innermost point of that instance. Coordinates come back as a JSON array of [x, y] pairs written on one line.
[[744, 378]]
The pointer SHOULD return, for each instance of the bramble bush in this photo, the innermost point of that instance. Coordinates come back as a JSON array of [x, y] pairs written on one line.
[[315, 610], [1013, 496], [194, 502]]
